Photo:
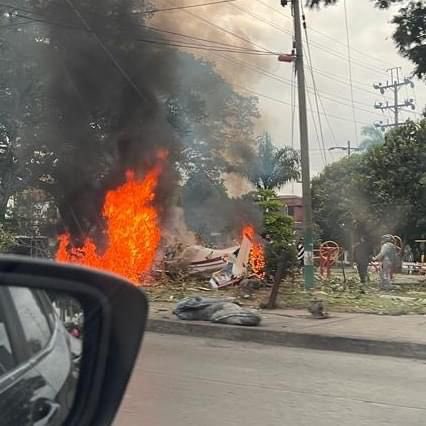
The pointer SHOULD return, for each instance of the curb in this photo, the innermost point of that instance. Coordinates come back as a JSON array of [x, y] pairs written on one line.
[[291, 339]]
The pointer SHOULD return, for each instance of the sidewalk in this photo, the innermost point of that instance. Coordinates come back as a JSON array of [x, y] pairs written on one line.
[[401, 336]]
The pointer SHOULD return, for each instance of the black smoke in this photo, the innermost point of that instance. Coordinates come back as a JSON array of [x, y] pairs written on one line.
[[104, 111]]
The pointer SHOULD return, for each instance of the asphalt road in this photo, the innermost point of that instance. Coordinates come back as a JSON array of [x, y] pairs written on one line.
[[184, 381]]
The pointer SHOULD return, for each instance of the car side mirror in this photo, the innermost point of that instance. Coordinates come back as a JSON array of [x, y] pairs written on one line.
[[69, 338]]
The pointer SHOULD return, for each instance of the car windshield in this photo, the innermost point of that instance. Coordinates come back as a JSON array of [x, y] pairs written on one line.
[[258, 168]]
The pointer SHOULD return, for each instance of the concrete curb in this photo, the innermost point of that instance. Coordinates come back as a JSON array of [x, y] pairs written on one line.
[[286, 338]]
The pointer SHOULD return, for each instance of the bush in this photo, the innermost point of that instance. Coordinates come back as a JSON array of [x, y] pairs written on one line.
[[278, 230]]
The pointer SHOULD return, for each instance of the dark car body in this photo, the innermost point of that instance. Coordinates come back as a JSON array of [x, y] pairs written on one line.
[[38, 377]]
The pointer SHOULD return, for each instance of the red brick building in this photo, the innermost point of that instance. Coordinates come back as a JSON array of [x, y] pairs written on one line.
[[293, 206]]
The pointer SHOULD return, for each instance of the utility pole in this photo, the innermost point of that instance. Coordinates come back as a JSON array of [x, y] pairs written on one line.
[[308, 270], [348, 148], [394, 84]]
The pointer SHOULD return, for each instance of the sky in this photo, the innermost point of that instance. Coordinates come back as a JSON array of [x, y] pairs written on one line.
[[269, 26]]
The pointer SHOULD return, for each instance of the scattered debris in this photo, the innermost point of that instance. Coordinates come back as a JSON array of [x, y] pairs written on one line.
[[318, 309], [223, 311], [199, 260]]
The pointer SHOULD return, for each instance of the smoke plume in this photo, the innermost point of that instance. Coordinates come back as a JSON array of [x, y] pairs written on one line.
[[104, 111]]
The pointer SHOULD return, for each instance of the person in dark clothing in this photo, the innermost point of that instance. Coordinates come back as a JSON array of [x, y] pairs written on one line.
[[361, 256]]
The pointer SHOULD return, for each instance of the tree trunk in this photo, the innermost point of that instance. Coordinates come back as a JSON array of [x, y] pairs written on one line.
[[275, 287]]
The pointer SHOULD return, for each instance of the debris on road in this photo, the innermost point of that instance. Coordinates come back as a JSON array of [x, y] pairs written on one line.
[[223, 311]]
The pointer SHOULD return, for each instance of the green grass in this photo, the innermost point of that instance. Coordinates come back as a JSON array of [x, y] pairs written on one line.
[[407, 297]]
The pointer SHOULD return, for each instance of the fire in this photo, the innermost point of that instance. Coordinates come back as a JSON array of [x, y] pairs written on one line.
[[132, 227], [257, 253]]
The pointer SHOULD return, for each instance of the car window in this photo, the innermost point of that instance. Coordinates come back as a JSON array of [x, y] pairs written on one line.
[[34, 321]]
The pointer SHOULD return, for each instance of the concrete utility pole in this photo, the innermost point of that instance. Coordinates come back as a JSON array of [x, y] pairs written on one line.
[[348, 148], [394, 84], [308, 271]]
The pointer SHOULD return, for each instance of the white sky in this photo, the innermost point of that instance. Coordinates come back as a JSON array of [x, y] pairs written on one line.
[[268, 25]]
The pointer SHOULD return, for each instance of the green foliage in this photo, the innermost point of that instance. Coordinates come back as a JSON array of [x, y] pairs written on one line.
[[273, 167], [332, 200], [6, 239], [278, 229], [65, 105], [380, 191], [410, 35]]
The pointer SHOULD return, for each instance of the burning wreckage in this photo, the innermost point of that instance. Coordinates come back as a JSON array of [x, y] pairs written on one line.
[[113, 211], [231, 266], [225, 267]]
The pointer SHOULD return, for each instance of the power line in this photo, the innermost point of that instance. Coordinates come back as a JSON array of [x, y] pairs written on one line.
[[208, 48], [313, 79], [363, 53], [395, 84], [266, 73], [350, 69], [326, 75], [203, 47], [311, 109], [280, 101], [123, 72], [218, 48], [148, 27], [293, 104], [320, 46], [189, 6], [144, 12]]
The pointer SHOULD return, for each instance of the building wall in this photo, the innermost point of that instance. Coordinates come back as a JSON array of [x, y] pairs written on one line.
[[293, 206]]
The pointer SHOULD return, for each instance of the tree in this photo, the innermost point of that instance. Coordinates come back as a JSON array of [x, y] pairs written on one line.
[[278, 230], [74, 122], [380, 191], [393, 177], [372, 137], [410, 33], [215, 123], [272, 166], [333, 199]]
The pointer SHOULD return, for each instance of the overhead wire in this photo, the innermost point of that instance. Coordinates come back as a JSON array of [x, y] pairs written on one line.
[[182, 44], [219, 48], [350, 69], [213, 49], [293, 111], [145, 12], [275, 77], [323, 34], [245, 50], [316, 95], [107, 51], [320, 46], [282, 102]]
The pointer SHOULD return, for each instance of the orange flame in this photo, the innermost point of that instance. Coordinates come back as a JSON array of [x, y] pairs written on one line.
[[257, 253], [132, 227]]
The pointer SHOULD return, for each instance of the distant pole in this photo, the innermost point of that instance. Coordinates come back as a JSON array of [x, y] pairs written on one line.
[[394, 84], [395, 97], [348, 148], [308, 271]]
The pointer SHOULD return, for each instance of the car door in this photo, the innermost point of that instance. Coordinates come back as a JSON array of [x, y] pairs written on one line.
[[26, 397]]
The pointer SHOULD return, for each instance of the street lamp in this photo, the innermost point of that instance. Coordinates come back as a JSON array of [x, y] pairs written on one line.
[[348, 148]]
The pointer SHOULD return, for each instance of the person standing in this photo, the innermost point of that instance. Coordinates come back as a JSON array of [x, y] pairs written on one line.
[[388, 257], [361, 255]]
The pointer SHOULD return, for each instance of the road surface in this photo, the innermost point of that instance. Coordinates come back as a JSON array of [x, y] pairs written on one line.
[[185, 381]]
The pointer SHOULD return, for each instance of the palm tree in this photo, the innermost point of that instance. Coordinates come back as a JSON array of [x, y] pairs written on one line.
[[372, 137], [273, 167]]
